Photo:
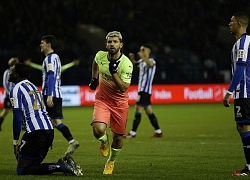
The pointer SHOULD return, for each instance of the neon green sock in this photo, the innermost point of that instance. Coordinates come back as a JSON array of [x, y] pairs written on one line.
[[114, 154], [104, 138]]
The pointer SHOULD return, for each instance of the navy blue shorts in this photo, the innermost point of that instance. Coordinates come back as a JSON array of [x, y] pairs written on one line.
[[143, 99], [35, 145], [242, 111], [56, 111], [7, 103]]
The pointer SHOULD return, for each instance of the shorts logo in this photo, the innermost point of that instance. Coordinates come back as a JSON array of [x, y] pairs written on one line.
[[12, 101], [240, 53], [238, 112]]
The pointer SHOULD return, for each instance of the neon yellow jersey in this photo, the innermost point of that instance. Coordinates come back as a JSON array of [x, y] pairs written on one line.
[[108, 91]]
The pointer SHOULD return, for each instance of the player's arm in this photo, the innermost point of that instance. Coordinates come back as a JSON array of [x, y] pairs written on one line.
[[17, 124], [36, 66], [238, 74], [122, 86], [149, 63], [75, 62], [5, 80], [33, 65], [94, 79], [95, 70], [132, 58], [67, 66], [51, 82], [122, 81]]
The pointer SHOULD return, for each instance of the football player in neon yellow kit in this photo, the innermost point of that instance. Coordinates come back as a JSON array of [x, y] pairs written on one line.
[[114, 71]]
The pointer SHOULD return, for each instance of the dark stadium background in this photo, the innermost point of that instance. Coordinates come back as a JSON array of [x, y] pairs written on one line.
[[190, 38]]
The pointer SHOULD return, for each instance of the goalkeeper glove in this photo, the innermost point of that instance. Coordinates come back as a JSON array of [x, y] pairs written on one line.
[[113, 67], [93, 83]]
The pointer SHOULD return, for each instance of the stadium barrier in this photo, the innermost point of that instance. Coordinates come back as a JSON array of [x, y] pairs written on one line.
[[162, 94]]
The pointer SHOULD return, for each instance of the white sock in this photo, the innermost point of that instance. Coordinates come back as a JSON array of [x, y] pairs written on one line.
[[132, 133], [158, 131]]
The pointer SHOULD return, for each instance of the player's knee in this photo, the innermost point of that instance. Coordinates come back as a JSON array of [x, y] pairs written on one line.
[[117, 138], [56, 122], [98, 129]]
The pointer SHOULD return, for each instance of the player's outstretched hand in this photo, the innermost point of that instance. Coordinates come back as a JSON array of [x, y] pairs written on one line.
[[76, 62], [131, 56], [27, 61], [226, 103], [93, 83]]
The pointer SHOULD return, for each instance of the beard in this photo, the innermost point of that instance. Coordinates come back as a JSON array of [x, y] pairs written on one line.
[[113, 51]]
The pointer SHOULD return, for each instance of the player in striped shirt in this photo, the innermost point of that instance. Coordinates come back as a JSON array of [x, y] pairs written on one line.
[[51, 89], [7, 87], [114, 71], [240, 84], [147, 67], [29, 110]]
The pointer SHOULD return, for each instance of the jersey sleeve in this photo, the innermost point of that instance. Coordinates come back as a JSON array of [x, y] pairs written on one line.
[[126, 71], [242, 51], [15, 99], [99, 56]]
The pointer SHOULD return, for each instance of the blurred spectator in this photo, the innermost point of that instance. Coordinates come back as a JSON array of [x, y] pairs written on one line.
[[78, 24]]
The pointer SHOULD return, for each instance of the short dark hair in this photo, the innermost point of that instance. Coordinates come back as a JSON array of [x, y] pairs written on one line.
[[50, 39], [22, 70], [147, 46], [242, 17]]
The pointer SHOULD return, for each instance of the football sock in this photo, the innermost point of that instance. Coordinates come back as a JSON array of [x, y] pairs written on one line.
[[104, 138], [132, 133], [45, 168], [65, 131], [114, 154], [136, 121], [1, 121], [153, 121], [246, 145]]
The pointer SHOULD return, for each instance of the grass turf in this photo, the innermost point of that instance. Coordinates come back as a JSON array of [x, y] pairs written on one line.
[[199, 142]]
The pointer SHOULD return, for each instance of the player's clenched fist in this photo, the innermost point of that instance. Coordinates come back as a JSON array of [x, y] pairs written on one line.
[[113, 67], [93, 83]]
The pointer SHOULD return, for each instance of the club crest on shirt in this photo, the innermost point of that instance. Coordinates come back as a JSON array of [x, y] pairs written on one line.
[[128, 75], [241, 53]]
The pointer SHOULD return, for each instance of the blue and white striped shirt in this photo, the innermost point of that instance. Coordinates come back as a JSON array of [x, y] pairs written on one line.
[[51, 70], [6, 84], [240, 56], [146, 76], [26, 97]]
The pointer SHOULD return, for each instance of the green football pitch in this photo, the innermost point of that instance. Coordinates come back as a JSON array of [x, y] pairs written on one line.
[[199, 142]]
